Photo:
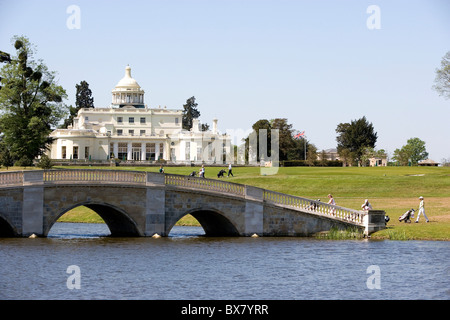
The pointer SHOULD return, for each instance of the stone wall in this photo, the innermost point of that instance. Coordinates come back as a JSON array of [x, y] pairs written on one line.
[[11, 201]]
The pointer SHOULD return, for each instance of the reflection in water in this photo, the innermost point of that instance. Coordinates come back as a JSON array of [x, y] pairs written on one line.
[[187, 265]]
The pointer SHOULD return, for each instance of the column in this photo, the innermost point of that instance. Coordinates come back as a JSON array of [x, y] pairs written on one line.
[[143, 150], [116, 149], [129, 151], [156, 150]]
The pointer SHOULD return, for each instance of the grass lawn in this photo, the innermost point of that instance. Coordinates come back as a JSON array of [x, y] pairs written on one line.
[[393, 189]]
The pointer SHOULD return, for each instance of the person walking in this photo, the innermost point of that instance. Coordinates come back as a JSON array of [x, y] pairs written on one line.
[[230, 170], [202, 171], [331, 202], [422, 210]]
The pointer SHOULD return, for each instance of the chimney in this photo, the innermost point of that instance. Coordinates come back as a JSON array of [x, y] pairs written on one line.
[[214, 126], [195, 125]]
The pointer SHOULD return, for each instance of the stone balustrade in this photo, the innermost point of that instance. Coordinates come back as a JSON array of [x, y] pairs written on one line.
[[104, 176], [11, 178], [314, 206], [180, 181]]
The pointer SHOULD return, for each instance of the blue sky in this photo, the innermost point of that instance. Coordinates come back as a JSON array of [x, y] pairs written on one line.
[[315, 63]]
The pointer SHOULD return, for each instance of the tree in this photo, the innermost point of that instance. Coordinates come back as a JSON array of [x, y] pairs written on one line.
[[45, 162], [6, 159], [311, 155], [353, 138], [286, 137], [31, 103], [83, 99], [262, 124], [190, 112], [413, 152], [289, 148], [442, 80]]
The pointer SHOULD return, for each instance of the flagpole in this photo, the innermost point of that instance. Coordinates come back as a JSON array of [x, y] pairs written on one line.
[[304, 140]]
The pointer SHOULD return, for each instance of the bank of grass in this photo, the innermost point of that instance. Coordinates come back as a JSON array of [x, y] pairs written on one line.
[[393, 189]]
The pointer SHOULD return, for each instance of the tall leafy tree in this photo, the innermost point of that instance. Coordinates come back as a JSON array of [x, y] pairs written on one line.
[[442, 80], [353, 138], [289, 148], [262, 124], [83, 99], [31, 103], [412, 152], [286, 136], [190, 112]]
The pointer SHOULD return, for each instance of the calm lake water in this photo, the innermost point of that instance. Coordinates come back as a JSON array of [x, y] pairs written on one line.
[[189, 266]]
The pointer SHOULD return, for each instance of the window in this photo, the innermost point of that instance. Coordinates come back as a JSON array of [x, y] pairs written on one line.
[[131, 132], [122, 152], [119, 119], [119, 132], [86, 152], [142, 133], [161, 151], [176, 120], [111, 150], [86, 118], [64, 152], [136, 151], [150, 151], [143, 120], [131, 120], [75, 152]]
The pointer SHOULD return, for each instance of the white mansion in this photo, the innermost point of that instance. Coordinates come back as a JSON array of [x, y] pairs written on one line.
[[130, 130]]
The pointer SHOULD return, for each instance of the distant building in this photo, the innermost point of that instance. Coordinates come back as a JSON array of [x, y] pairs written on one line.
[[129, 130], [328, 154], [332, 154], [378, 161], [429, 163]]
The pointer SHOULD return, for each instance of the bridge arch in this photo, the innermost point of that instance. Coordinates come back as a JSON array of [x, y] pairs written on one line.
[[7, 229], [213, 222], [120, 224]]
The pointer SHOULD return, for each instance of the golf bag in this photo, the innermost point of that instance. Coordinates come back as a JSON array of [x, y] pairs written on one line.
[[407, 216]]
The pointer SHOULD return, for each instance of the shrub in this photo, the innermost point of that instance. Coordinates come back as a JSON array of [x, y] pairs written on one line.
[[45, 162]]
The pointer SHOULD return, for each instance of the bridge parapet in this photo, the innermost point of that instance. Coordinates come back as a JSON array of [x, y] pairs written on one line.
[[180, 181], [314, 206], [11, 178], [104, 176]]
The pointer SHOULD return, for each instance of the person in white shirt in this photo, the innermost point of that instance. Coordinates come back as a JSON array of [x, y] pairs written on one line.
[[333, 203], [202, 172], [366, 206], [422, 210], [229, 170]]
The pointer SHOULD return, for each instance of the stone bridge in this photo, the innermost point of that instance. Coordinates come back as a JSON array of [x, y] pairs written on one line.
[[141, 204]]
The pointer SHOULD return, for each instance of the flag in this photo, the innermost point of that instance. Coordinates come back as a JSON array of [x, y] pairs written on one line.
[[299, 135]]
